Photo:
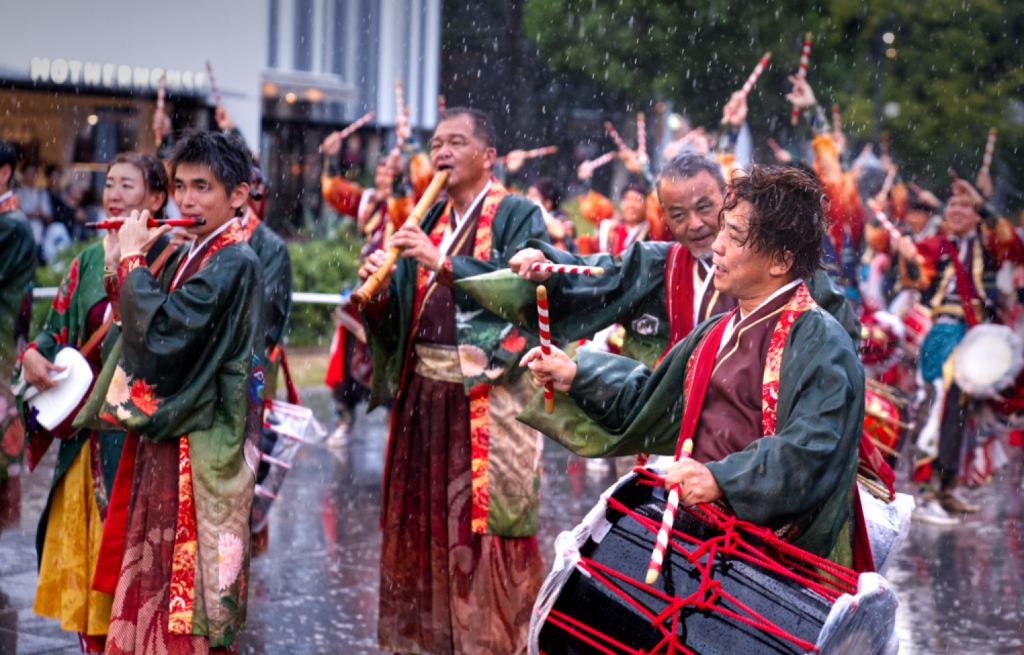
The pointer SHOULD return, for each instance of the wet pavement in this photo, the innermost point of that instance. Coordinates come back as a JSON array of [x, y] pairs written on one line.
[[315, 591]]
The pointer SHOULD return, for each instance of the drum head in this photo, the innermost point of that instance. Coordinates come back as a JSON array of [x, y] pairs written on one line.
[[987, 360], [57, 405]]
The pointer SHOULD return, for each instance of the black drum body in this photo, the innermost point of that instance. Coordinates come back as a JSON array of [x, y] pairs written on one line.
[[627, 548]]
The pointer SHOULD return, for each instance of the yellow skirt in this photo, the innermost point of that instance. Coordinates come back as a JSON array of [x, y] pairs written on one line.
[[74, 532]]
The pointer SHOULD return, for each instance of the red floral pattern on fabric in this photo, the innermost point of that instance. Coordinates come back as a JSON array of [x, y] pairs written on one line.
[[250, 225], [514, 342], [10, 205], [479, 440], [143, 397], [798, 304], [129, 264], [67, 289], [183, 564]]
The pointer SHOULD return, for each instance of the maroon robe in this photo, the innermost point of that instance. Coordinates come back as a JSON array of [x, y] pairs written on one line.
[[731, 417], [444, 589]]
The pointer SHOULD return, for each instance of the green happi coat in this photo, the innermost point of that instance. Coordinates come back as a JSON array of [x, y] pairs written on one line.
[[489, 348], [803, 474], [17, 267], [80, 290], [277, 281], [188, 364], [632, 287]]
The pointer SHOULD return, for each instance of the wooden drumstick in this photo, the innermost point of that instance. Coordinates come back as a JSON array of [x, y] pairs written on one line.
[[667, 521], [545, 344], [369, 288]]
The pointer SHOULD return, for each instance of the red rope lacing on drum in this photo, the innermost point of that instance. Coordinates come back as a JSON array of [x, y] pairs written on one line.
[[830, 583]]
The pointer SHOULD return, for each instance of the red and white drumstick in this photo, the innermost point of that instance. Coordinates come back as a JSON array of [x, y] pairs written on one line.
[[544, 323], [275, 461], [161, 93], [893, 231], [213, 84], [801, 72], [600, 161], [262, 491], [619, 143], [440, 106], [359, 122], [837, 126], [536, 152], [667, 521], [287, 435], [559, 268], [749, 84], [641, 135], [990, 148]]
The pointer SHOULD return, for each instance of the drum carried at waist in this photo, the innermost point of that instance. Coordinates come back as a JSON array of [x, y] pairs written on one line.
[[724, 587], [55, 409], [988, 360]]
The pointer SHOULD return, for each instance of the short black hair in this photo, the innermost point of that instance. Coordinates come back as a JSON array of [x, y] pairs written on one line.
[[483, 124], [549, 190], [8, 155], [790, 216], [225, 156], [690, 164]]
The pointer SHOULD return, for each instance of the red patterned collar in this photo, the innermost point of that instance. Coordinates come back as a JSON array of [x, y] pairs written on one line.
[[251, 223], [10, 203], [231, 234]]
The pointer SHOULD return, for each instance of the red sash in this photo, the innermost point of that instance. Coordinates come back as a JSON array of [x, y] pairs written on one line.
[[698, 376], [964, 286], [679, 294]]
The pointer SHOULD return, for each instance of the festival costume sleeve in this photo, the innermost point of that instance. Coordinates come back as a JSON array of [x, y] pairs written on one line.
[[618, 407], [174, 346], [17, 266], [277, 282], [581, 305]]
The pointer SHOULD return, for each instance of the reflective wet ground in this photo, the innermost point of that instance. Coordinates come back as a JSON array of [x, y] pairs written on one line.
[[315, 591]]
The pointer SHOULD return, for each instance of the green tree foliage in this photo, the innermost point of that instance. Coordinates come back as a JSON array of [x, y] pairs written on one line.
[[958, 69], [326, 265]]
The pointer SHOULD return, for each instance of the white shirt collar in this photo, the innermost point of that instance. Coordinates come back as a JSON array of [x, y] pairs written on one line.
[[6, 195], [738, 317], [472, 208]]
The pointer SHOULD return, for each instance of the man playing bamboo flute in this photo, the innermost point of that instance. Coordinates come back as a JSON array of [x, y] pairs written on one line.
[[460, 566], [772, 392], [185, 381], [659, 291]]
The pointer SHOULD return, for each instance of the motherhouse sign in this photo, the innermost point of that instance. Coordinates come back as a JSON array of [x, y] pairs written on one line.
[[113, 76]]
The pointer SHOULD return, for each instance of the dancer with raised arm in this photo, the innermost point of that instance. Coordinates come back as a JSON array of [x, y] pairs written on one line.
[[773, 391]]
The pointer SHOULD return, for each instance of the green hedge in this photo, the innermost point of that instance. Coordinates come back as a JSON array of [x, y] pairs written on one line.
[[51, 276], [322, 264]]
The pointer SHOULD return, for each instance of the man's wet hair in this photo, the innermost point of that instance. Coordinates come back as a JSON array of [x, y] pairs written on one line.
[[8, 156], [225, 156], [689, 164], [483, 124], [790, 218]]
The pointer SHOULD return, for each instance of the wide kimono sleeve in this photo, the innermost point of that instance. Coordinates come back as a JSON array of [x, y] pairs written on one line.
[[581, 305], [805, 471], [277, 282], [180, 349], [617, 406]]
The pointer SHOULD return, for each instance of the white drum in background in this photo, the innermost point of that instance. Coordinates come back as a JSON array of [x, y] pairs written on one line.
[[988, 360]]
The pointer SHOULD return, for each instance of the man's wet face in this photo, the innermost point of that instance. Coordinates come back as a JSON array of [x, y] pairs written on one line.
[[456, 149], [691, 206]]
